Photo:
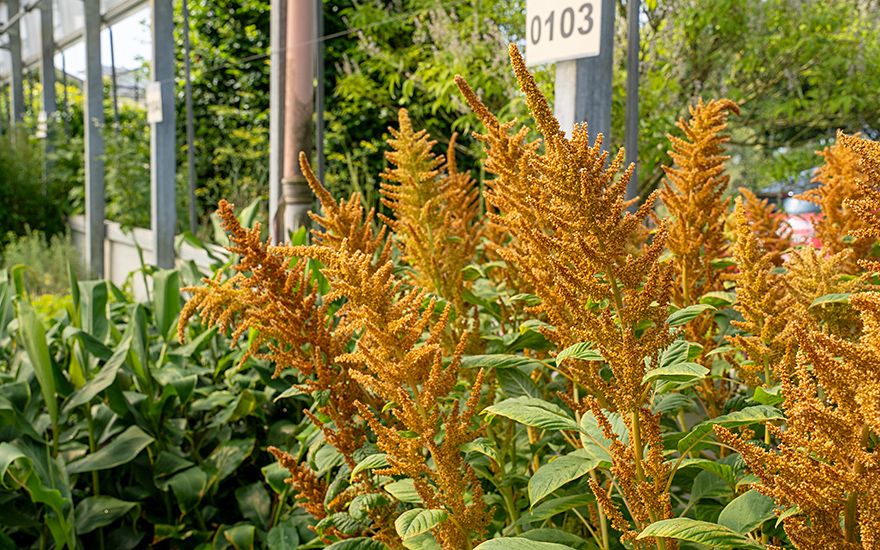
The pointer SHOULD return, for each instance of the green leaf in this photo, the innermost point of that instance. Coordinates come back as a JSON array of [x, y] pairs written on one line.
[[527, 299], [593, 438], [168, 464], [89, 342], [688, 314], [555, 474], [95, 512], [121, 450], [228, 456], [768, 396], [417, 521], [289, 392], [254, 503], [842, 298], [33, 336], [747, 512], [745, 417], [357, 543], [189, 487], [500, 361], [718, 299], [283, 536], [515, 383], [244, 404], [425, 541], [787, 514], [701, 532], [241, 536], [404, 491], [33, 483], [557, 536], [247, 216], [483, 446], [93, 309], [472, 272], [166, 300], [370, 463], [105, 377], [519, 543], [680, 372], [534, 412], [580, 351], [723, 471], [275, 474]]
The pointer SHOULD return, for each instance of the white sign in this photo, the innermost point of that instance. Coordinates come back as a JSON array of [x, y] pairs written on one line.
[[154, 102], [558, 30]]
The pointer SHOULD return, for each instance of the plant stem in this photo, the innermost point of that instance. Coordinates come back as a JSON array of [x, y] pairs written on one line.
[[96, 487], [640, 471], [767, 382], [281, 500]]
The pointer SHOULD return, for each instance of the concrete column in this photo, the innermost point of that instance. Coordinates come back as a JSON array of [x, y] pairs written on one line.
[[584, 87], [93, 115], [16, 77], [277, 62], [299, 99], [163, 148], [47, 65], [632, 96]]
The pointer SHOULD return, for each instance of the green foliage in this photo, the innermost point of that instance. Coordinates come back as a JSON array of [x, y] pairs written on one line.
[[138, 444], [47, 259]]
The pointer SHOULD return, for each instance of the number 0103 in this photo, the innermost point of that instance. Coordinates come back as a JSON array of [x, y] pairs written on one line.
[[565, 22]]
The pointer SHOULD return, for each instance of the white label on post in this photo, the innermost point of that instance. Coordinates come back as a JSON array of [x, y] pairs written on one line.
[[154, 102], [558, 30]]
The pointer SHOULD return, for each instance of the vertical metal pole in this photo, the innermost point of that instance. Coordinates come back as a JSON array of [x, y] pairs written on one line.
[[319, 92], [584, 87], [30, 94], [278, 45], [163, 164], [299, 99], [115, 87], [93, 115], [16, 82], [190, 130], [65, 113], [632, 97], [47, 29]]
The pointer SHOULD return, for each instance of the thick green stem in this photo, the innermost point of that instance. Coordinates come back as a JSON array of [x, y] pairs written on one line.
[[640, 471], [767, 383], [93, 446]]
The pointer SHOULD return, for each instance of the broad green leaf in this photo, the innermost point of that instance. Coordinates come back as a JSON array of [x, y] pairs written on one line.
[[723, 471], [534, 412], [831, 299], [275, 474], [680, 372], [247, 216], [105, 377], [745, 417], [121, 450], [593, 438], [472, 272], [417, 521], [519, 543], [557, 536], [701, 532], [166, 299], [527, 299], [89, 342], [372, 462], [95, 512], [189, 487], [425, 541], [555, 474], [357, 543], [38, 492], [688, 314], [787, 514], [289, 392], [228, 456], [768, 396], [708, 485], [283, 536], [500, 361], [93, 309], [168, 464], [241, 536], [718, 299], [747, 512], [194, 347], [33, 335], [404, 491], [254, 503], [580, 351], [244, 404], [515, 383], [483, 446]]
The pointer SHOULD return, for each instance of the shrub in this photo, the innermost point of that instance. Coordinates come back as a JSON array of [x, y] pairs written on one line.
[[47, 260]]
